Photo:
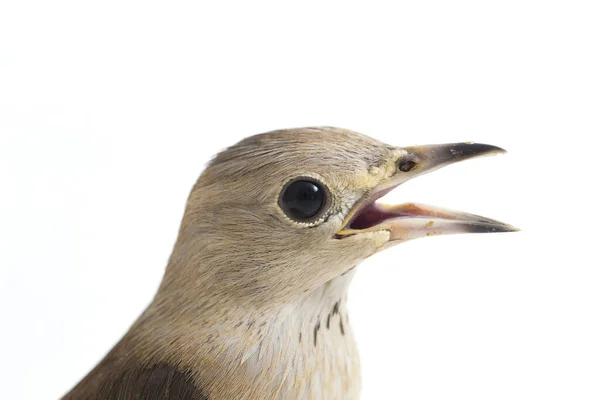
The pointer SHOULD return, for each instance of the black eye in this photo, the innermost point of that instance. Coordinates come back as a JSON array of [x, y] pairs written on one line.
[[406, 165], [303, 199]]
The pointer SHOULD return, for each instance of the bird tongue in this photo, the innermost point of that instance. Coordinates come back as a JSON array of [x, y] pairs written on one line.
[[374, 214]]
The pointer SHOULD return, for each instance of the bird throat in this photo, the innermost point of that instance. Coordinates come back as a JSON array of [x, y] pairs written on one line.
[[309, 347]]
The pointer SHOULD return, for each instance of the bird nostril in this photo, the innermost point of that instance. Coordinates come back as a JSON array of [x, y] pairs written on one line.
[[406, 165]]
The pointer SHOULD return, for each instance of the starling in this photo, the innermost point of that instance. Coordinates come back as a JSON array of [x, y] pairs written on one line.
[[253, 302]]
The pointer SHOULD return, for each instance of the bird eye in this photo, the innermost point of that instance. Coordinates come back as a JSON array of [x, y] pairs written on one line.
[[302, 200], [406, 165]]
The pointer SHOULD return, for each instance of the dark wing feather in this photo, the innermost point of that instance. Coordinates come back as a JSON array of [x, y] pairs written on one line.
[[158, 382]]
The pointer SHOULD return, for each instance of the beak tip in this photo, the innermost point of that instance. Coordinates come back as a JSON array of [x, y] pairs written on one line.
[[500, 150], [507, 228], [485, 149]]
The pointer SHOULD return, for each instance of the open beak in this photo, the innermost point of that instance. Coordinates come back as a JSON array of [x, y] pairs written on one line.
[[411, 221]]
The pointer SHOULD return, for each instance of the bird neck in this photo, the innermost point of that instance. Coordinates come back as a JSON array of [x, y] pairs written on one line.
[[303, 348]]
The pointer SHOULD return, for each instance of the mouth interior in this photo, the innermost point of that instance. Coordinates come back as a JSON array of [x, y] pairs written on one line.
[[371, 215]]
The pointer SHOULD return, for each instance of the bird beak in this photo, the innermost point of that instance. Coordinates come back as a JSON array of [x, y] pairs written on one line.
[[410, 221]]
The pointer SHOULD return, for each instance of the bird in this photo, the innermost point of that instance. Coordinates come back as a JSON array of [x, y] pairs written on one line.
[[253, 301]]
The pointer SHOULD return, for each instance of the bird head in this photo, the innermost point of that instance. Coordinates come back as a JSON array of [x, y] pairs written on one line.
[[282, 213]]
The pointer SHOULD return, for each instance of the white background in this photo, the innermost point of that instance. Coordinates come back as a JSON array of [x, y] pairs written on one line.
[[109, 111]]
